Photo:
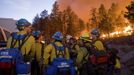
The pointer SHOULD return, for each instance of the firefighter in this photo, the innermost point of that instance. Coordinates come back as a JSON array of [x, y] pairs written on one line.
[[39, 50], [49, 52], [99, 53], [27, 43], [56, 55], [114, 64], [84, 65], [71, 44]]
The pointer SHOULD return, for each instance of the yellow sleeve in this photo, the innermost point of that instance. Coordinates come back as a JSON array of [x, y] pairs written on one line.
[[9, 42], [67, 54], [29, 47], [33, 48], [79, 57], [118, 64], [77, 47], [99, 45], [47, 54], [81, 54]]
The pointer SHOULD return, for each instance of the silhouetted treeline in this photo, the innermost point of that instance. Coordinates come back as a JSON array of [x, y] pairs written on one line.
[[66, 21]]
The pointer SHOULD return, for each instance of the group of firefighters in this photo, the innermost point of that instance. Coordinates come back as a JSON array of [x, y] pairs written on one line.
[[84, 52]]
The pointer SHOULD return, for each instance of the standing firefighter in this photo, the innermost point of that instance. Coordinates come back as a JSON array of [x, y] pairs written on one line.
[[57, 58], [71, 44], [99, 53], [114, 64], [84, 65], [25, 42], [39, 50], [25, 29]]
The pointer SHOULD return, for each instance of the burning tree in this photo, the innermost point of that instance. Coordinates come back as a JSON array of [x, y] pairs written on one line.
[[65, 21], [94, 18], [130, 13], [104, 21], [111, 22]]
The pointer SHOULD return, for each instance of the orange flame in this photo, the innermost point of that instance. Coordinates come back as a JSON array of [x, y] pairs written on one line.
[[127, 31]]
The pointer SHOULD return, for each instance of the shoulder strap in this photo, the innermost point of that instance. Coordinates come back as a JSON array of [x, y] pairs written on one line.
[[24, 40], [16, 38], [60, 51], [13, 41], [42, 50], [73, 46]]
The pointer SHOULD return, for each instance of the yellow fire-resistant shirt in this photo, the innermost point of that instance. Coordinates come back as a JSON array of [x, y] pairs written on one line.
[[81, 56], [38, 51], [28, 46], [50, 50], [99, 45]]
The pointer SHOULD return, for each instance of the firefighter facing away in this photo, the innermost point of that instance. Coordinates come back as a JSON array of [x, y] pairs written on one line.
[[28, 47], [99, 52], [57, 58]]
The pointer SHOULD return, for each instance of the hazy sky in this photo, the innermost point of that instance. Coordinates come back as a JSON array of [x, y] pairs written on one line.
[[23, 8]]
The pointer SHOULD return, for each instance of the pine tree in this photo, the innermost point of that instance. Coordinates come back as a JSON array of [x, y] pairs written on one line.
[[44, 14], [104, 22], [113, 15], [56, 18], [36, 21], [81, 26], [71, 21], [65, 21], [94, 18], [120, 22], [130, 12]]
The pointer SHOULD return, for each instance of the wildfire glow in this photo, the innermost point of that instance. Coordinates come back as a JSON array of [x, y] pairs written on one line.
[[103, 35], [76, 38], [127, 31], [84, 31]]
